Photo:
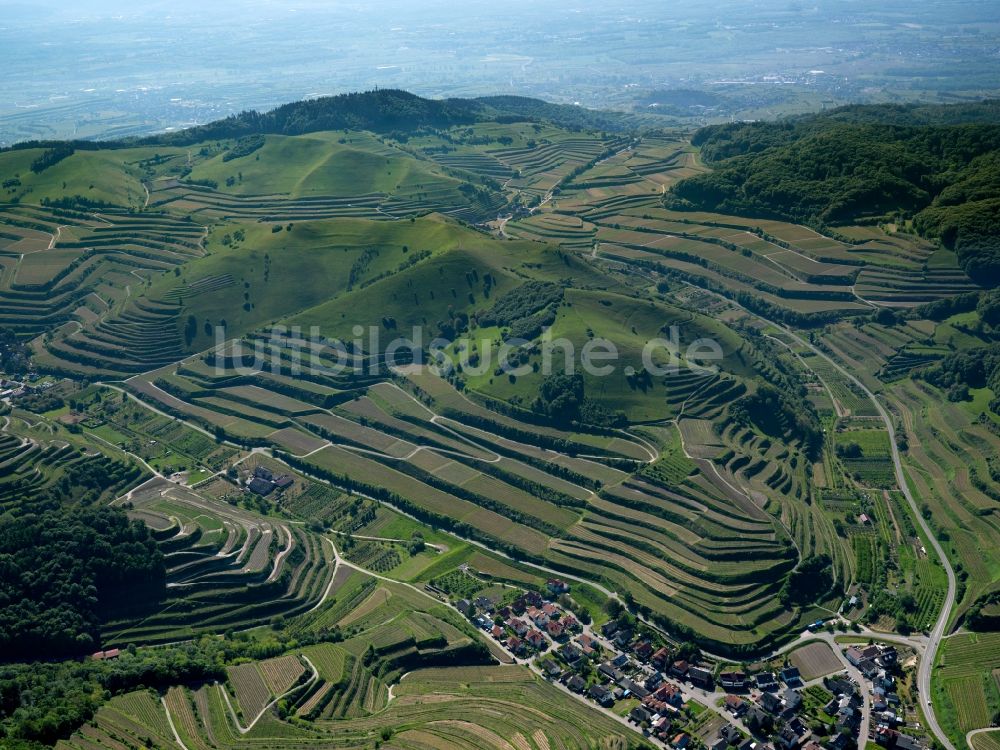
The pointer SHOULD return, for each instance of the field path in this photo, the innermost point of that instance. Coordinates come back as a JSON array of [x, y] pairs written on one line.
[[55, 237], [969, 735], [170, 721], [438, 547], [281, 555], [232, 711]]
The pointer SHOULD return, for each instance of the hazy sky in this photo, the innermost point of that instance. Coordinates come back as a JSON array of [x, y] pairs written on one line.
[[173, 62]]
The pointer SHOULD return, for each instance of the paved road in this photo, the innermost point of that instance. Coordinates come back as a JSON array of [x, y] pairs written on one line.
[[855, 675], [927, 661], [926, 666]]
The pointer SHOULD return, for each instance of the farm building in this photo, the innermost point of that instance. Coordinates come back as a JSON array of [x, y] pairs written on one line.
[[260, 486]]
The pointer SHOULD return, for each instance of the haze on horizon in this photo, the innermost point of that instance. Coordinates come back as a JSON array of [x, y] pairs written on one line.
[[106, 68]]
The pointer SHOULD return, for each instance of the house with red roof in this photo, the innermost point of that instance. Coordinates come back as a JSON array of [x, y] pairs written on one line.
[[661, 658], [735, 705], [520, 627], [537, 616], [644, 650], [670, 694], [536, 640]]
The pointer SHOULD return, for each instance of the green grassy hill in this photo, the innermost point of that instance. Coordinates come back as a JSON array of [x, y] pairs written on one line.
[[320, 164], [110, 176], [271, 275], [628, 324], [446, 286]]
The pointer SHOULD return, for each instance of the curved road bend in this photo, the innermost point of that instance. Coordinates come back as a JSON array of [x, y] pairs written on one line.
[[926, 667], [927, 661]]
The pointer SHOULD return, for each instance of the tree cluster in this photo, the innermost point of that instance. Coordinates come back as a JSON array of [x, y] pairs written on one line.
[[51, 156], [14, 353], [779, 414], [60, 569], [972, 368], [811, 581]]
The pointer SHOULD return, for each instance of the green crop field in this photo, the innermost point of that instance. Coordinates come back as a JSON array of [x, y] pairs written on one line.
[[966, 688], [341, 690]]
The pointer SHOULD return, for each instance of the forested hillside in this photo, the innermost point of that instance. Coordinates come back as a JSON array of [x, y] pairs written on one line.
[[61, 570], [937, 166], [379, 111]]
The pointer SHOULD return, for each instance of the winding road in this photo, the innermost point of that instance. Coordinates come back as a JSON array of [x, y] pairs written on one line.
[[927, 660], [926, 666]]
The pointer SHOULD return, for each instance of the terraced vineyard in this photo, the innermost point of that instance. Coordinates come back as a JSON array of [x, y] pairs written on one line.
[[493, 704], [673, 535], [791, 268], [226, 567], [63, 266], [339, 691], [970, 698], [948, 468], [39, 464], [219, 312], [670, 539]]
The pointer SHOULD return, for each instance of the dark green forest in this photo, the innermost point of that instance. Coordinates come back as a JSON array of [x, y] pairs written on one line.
[[61, 569], [380, 111], [939, 166], [42, 702]]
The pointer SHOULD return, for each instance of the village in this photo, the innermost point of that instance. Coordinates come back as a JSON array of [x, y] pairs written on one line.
[[679, 699]]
